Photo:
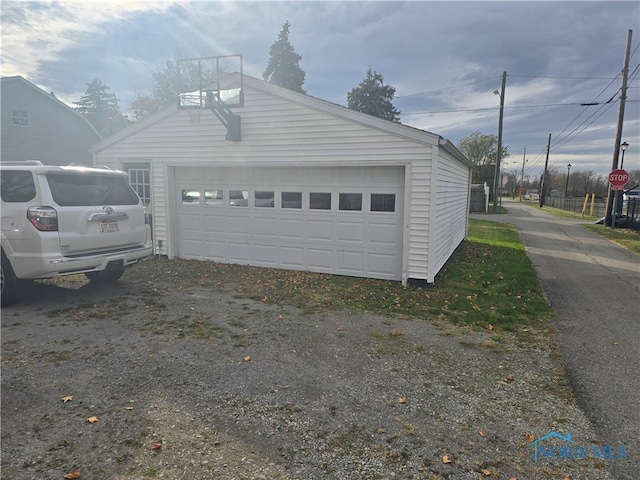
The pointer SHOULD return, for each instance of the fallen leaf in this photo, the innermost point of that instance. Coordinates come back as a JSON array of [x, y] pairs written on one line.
[[72, 475], [68, 398], [486, 472], [156, 446], [480, 432], [247, 358], [128, 407], [446, 459], [402, 400], [93, 419], [340, 328], [530, 437]]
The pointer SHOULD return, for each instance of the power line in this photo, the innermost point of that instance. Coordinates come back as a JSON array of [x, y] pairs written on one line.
[[560, 77], [446, 88]]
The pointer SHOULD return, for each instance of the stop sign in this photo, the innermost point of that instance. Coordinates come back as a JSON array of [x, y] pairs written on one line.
[[618, 179]]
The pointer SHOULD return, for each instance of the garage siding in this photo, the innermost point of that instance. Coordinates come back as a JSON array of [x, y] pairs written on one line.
[[451, 209], [282, 128], [419, 217]]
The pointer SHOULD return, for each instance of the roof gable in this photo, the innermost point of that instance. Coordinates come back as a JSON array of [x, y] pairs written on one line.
[[49, 97], [307, 101]]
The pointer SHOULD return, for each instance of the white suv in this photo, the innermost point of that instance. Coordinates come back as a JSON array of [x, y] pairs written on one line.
[[67, 220]]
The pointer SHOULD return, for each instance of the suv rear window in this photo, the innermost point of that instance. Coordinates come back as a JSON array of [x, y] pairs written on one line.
[[90, 190], [17, 186]]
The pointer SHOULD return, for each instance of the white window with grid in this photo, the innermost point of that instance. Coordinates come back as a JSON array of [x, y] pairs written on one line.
[[140, 180]]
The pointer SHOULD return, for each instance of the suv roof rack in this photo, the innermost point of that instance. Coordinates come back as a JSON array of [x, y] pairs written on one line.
[[31, 163]]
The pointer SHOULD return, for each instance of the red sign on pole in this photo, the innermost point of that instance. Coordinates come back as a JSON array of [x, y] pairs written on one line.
[[618, 179]]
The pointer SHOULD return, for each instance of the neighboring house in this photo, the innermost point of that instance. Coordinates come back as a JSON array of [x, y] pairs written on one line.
[[107, 123], [38, 126], [311, 186]]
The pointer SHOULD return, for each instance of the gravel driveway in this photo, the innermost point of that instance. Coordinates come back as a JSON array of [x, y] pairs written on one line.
[[205, 384]]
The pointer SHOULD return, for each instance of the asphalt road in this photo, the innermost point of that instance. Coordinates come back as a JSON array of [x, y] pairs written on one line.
[[594, 287]]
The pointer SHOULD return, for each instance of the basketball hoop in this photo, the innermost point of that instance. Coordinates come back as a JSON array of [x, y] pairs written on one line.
[[193, 105]]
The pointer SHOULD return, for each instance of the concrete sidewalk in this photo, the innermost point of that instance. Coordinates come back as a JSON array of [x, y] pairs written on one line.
[[594, 287]]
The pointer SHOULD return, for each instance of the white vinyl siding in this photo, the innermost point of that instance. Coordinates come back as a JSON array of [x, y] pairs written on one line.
[[451, 209], [281, 128]]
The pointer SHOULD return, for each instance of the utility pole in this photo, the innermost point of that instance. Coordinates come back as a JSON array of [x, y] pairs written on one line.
[[544, 174], [497, 181], [616, 147], [522, 173]]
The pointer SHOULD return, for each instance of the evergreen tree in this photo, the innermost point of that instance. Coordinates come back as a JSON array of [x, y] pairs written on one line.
[[372, 96], [96, 99], [283, 68]]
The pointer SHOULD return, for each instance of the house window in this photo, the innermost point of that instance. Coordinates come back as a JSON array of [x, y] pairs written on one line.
[[264, 199], [383, 202], [21, 117], [140, 180], [291, 199], [350, 201], [320, 201]]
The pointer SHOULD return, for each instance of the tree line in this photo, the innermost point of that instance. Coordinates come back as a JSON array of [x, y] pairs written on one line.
[[371, 96]]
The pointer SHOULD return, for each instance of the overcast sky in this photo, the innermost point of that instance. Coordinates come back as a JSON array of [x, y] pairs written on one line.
[[445, 60]]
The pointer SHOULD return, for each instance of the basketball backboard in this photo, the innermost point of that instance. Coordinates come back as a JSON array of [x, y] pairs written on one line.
[[204, 82]]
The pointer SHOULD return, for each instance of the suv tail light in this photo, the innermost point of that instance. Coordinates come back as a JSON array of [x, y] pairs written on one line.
[[44, 219]]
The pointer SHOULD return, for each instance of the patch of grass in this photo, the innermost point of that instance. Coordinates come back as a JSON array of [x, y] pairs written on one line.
[[489, 280], [558, 212], [627, 238]]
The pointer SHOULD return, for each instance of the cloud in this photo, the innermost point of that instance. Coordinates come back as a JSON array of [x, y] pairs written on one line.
[[445, 58]]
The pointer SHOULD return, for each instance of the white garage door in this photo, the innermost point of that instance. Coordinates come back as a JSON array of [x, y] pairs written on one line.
[[345, 221]]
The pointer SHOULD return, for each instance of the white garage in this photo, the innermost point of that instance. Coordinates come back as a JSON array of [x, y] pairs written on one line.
[[310, 186], [341, 220]]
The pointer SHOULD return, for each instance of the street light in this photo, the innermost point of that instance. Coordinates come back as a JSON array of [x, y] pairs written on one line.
[[623, 147], [618, 195], [566, 187], [497, 178]]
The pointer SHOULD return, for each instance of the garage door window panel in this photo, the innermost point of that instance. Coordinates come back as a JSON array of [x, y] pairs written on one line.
[[264, 199], [383, 202], [291, 199], [239, 198], [190, 196], [319, 201], [350, 201], [214, 197]]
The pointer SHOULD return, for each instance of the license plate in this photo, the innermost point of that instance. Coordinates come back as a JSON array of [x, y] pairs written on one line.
[[109, 227]]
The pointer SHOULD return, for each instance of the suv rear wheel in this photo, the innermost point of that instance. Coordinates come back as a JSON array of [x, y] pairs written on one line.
[[105, 276], [10, 284]]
